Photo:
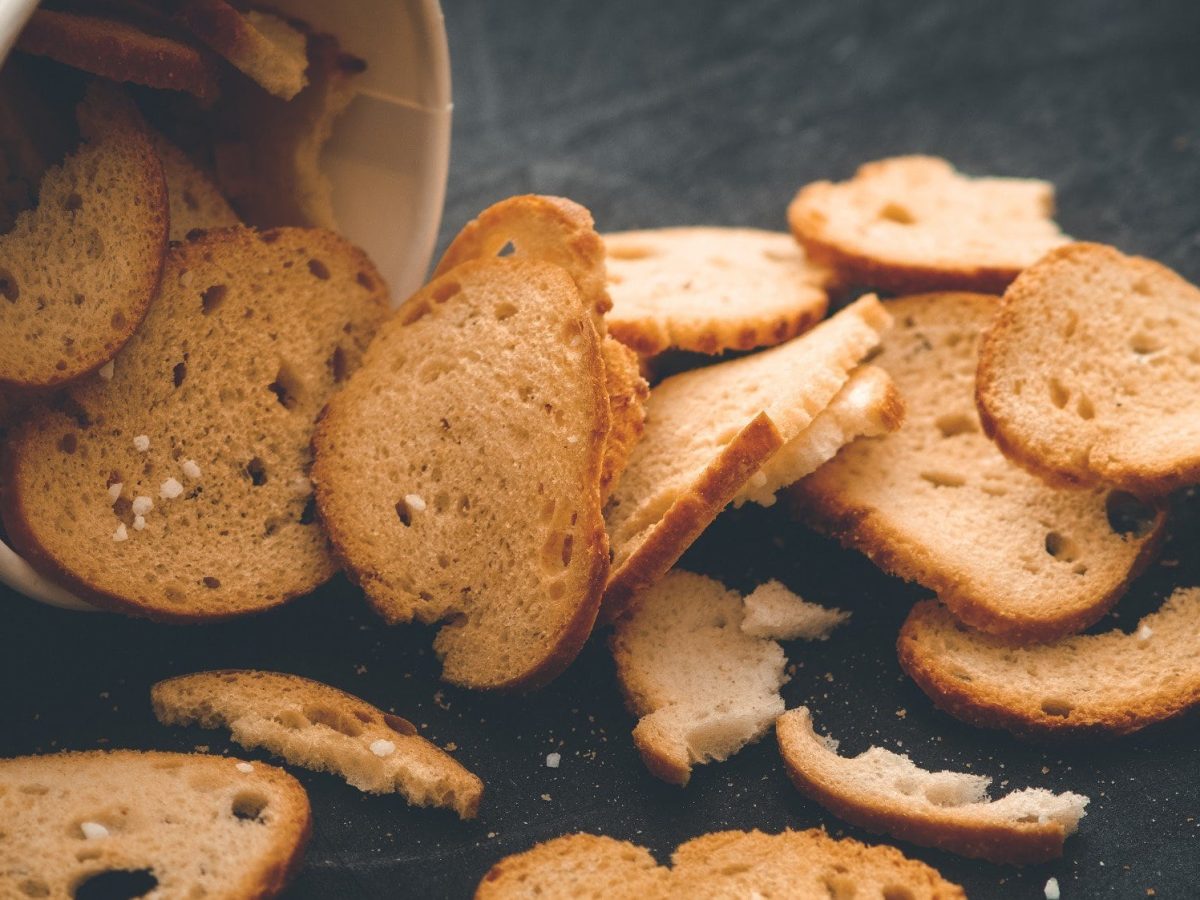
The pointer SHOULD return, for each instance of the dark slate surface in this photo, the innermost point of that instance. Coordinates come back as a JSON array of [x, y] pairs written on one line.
[[667, 113]]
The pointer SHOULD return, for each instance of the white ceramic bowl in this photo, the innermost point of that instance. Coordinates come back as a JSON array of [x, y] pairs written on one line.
[[388, 157]]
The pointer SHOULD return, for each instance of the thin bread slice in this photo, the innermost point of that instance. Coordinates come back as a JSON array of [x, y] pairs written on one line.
[[936, 502], [723, 864], [887, 792], [1101, 684], [868, 405], [177, 486], [711, 289], [708, 431], [913, 223], [1090, 372], [196, 202], [79, 272], [121, 51], [458, 473], [703, 686], [262, 45], [772, 611], [124, 823], [321, 728]]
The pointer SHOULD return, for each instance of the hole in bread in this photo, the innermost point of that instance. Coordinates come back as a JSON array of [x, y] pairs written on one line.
[[1129, 516], [318, 269], [36, 790], [365, 280], [211, 583], [399, 724], [338, 367], [1056, 707], [433, 369], [309, 514], [1142, 343], [365, 718], [898, 892], [952, 424], [1060, 547], [508, 249], [504, 310], [9, 288], [413, 311], [85, 855], [404, 513], [1059, 395], [73, 203], [68, 443], [1071, 324], [256, 471], [117, 321], [898, 213], [179, 373], [71, 408], [115, 884], [249, 806], [34, 887], [212, 298], [446, 290], [1141, 287], [1079, 569], [944, 479], [568, 547], [291, 718], [287, 386], [335, 719], [840, 887], [1084, 408], [631, 252]]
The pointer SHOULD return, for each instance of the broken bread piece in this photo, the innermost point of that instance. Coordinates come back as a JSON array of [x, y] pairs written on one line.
[[887, 792], [319, 727], [262, 45], [175, 484], [708, 431], [98, 824], [937, 503], [458, 472], [711, 289], [722, 864], [1096, 684], [703, 685], [772, 611], [1089, 373], [913, 223], [79, 272]]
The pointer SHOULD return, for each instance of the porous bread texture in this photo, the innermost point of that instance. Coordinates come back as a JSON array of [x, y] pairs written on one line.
[[229, 371], [271, 170], [703, 686], [196, 203], [887, 792], [199, 825], [913, 223], [772, 611], [708, 431], [78, 272], [729, 865], [260, 44], [458, 473], [1102, 684], [321, 728], [120, 51], [868, 405], [627, 395], [1089, 373], [710, 289], [937, 503]]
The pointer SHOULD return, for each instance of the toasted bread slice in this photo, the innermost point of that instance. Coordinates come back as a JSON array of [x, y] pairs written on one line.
[[121, 51], [711, 289], [913, 223], [708, 431], [627, 396], [178, 488], [125, 823], [1090, 372], [319, 727], [935, 502], [79, 272], [1102, 684], [724, 864], [458, 473], [887, 792], [703, 685], [264, 46]]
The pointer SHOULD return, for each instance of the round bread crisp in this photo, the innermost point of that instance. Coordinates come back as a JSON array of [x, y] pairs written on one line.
[[78, 273], [710, 289], [458, 474], [1090, 373], [177, 488], [912, 223]]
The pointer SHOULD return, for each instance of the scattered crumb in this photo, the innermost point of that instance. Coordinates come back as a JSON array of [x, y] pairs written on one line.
[[439, 700], [1052, 892], [141, 443], [553, 759], [1144, 633], [415, 502], [244, 767], [139, 522], [93, 831], [200, 748], [190, 469], [901, 713], [382, 748], [491, 834], [170, 489], [546, 797], [106, 371], [114, 491], [450, 747], [120, 534], [1045, 770], [360, 669], [142, 505]]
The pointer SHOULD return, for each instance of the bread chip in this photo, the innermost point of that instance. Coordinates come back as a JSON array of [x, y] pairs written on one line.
[[125, 823], [319, 727], [912, 223], [1101, 684], [262, 45], [711, 289], [887, 792], [1090, 372], [935, 502]]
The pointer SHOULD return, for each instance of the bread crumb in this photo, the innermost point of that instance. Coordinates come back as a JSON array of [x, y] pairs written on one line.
[[190, 469], [170, 489], [414, 502], [1144, 632], [114, 491], [382, 748], [93, 831], [142, 505], [901, 713], [553, 759], [120, 534], [106, 371], [546, 797], [139, 522], [1052, 892], [141, 443], [450, 747], [1045, 770], [244, 767]]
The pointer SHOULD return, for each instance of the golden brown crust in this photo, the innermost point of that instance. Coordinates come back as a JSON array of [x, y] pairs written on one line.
[[627, 394]]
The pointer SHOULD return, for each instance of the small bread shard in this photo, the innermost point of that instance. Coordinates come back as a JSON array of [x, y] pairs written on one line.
[[79, 272], [458, 473], [723, 864], [711, 289], [887, 792], [179, 824], [174, 485], [321, 728], [262, 45], [1100, 684], [912, 223], [937, 503], [772, 611], [1090, 372], [708, 431]]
